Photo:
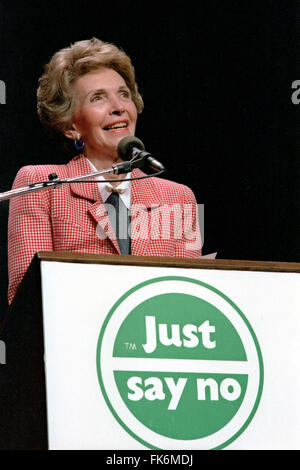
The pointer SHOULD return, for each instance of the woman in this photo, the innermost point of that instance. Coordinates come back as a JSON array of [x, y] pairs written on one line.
[[88, 93]]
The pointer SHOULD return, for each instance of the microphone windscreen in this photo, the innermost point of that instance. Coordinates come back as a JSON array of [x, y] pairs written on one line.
[[126, 145]]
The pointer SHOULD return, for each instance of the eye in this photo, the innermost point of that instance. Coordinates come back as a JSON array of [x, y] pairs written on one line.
[[96, 97], [125, 94]]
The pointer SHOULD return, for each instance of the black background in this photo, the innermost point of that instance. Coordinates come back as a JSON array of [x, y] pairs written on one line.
[[216, 80]]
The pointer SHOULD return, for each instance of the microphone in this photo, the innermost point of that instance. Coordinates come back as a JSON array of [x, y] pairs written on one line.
[[132, 148]]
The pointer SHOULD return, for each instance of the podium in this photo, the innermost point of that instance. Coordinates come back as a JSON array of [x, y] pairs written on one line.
[[123, 352]]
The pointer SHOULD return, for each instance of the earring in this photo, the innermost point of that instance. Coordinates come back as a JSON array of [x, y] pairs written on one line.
[[79, 143]]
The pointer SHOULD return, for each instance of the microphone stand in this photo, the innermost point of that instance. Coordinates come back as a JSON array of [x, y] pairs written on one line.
[[119, 168]]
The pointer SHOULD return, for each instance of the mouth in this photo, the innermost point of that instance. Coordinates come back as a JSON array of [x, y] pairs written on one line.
[[119, 126]]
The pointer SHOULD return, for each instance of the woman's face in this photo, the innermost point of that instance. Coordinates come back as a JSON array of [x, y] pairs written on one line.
[[104, 112]]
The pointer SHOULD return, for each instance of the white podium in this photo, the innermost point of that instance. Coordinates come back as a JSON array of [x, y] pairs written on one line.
[[164, 353]]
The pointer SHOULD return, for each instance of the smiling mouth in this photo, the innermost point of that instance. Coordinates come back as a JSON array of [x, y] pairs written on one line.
[[116, 126]]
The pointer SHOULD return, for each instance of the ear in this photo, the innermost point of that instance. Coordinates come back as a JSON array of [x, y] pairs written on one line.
[[71, 133]]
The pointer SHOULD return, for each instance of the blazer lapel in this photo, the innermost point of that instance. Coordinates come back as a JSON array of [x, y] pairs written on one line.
[[77, 167]]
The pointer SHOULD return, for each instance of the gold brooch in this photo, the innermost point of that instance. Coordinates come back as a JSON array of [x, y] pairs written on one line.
[[111, 189]]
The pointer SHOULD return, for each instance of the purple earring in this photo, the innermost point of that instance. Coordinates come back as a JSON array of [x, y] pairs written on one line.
[[79, 143]]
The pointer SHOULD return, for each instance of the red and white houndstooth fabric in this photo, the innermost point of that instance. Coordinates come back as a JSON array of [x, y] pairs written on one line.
[[164, 219]]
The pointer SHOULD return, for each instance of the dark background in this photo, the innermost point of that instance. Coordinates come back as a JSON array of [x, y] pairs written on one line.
[[216, 81]]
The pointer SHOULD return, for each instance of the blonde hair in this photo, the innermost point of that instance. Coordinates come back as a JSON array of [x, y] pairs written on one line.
[[55, 101]]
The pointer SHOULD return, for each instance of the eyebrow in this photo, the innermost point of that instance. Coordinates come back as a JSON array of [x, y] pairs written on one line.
[[104, 90]]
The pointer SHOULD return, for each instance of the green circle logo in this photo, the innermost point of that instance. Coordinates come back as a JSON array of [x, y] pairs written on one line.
[[179, 365]]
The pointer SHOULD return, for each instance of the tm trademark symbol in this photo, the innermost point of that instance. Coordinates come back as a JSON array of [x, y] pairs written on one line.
[[130, 346]]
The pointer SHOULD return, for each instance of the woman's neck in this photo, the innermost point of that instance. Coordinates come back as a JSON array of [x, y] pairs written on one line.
[[104, 163]]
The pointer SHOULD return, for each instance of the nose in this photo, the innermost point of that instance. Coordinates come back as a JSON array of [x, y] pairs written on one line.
[[117, 106]]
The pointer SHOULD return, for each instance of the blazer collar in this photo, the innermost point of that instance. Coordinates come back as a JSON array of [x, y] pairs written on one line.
[[143, 191], [79, 166]]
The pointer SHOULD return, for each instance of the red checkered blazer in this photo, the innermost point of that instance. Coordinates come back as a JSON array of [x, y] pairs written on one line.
[[72, 218]]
